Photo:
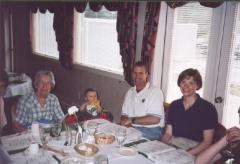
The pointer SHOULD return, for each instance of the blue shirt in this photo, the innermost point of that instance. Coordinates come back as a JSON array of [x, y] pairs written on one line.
[[29, 109], [191, 123]]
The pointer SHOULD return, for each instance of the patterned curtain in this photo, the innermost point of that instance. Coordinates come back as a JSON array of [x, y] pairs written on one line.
[[127, 32], [175, 3], [63, 26], [150, 31]]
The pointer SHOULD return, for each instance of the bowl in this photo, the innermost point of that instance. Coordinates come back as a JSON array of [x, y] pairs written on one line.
[[86, 149], [104, 138]]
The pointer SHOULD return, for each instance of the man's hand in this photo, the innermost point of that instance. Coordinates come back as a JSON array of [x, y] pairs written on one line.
[[233, 134], [126, 121]]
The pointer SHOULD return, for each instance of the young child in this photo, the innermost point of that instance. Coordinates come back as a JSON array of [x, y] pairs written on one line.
[[92, 108], [92, 103]]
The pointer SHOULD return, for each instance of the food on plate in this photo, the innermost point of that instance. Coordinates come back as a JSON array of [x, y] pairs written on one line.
[[104, 138]]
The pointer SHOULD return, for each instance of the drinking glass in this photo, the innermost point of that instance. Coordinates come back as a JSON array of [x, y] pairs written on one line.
[[43, 136], [56, 129], [101, 159], [91, 129], [121, 135]]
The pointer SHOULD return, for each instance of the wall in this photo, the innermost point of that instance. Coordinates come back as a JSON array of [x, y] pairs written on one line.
[[1, 38], [69, 83]]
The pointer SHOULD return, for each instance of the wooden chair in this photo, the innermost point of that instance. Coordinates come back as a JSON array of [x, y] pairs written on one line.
[[220, 131], [165, 106], [10, 110]]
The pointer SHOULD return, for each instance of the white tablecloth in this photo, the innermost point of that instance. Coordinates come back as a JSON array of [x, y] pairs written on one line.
[[19, 89], [45, 157]]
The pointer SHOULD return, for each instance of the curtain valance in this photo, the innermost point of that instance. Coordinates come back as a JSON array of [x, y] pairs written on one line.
[[63, 26], [176, 3]]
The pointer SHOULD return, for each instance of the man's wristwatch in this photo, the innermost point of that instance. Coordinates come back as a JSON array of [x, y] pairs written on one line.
[[133, 120]]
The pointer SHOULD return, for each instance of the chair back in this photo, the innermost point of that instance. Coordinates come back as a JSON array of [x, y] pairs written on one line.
[[165, 106], [220, 131]]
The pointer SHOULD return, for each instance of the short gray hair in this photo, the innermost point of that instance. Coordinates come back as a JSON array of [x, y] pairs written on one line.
[[44, 72]]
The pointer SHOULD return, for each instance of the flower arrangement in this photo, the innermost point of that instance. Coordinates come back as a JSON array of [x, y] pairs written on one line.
[[71, 119]]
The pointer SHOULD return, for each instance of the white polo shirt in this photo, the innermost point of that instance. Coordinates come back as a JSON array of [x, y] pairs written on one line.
[[149, 101]]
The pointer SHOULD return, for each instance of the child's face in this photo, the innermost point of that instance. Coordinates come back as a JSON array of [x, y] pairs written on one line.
[[91, 95]]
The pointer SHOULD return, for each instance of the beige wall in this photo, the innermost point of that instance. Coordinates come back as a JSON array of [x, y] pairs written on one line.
[[72, 83]]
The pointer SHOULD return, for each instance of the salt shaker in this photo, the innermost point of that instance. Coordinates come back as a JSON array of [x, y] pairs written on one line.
[[78, 137]]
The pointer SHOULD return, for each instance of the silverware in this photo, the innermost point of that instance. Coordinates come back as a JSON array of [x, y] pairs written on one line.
[[56, 158], [61, 152]]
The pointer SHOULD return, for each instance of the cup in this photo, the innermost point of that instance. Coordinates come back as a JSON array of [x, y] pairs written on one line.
[[35, 129], [56, 129], [101, 159], [33, 148]]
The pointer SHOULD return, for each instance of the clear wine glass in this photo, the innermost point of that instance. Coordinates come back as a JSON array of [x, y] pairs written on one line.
[[43, 136], [91, 129], [121, 135]]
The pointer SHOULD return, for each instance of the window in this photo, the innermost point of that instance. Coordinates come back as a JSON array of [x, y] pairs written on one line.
[[207, 39], [189, 44], [232, 85], [44, 40], [95, 39]]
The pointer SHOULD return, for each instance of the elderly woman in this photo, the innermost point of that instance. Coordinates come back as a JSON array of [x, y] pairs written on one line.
[[38, 105], [191, 117], [3, 84]]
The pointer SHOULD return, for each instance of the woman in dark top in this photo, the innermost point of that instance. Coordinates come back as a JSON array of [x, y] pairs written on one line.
[[191, 117]]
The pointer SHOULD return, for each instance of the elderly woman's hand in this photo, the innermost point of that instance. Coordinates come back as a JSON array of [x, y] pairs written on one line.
[[233, 134]]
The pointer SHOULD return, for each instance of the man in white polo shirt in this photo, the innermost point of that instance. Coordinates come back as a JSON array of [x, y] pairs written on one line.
[[143, 105]]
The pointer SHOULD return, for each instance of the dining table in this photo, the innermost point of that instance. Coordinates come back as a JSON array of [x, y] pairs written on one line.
[[19, 84], [56, 150]]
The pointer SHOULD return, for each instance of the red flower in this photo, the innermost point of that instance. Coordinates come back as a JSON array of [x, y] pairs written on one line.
[[70, 119], [103, 116]]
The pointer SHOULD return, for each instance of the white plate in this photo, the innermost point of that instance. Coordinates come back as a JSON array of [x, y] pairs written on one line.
[[70, 160], [127, 151]]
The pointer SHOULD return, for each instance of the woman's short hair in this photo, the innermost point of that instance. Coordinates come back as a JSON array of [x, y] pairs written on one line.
[[4, 77], [44, 72], [191, 73]]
